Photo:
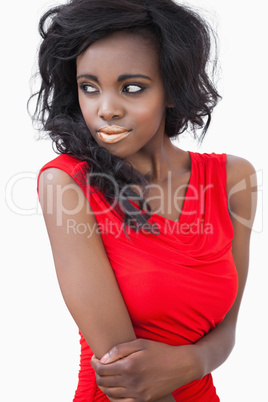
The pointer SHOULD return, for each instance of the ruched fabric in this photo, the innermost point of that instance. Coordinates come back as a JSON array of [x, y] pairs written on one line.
[[177, 285]]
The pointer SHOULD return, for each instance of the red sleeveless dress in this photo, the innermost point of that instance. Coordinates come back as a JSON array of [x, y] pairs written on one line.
[[177, 285]]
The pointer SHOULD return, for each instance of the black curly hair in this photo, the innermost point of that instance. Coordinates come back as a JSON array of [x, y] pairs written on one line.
[[183, 41]]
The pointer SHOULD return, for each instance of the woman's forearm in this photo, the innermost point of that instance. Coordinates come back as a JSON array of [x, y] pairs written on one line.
[[214, 348], [192, 362]]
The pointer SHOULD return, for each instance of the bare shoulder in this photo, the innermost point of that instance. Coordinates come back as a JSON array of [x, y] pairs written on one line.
[[57, 186], [54, 176], [241, 189], [239, 169]]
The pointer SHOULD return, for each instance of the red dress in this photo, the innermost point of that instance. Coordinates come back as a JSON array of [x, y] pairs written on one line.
[[177, 285]]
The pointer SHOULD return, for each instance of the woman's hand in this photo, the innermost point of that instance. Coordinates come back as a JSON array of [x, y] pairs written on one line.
[[145, 370]]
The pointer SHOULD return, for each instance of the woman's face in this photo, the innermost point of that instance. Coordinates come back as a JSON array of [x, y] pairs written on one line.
[[124, 112]]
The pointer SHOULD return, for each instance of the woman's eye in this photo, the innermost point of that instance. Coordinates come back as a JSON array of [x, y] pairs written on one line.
[[88, 88], [134, 88]]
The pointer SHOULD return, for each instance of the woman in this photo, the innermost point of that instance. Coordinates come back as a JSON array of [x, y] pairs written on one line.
[[148, 240]]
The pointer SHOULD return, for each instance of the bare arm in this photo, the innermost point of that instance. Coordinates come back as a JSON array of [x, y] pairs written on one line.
[[85, 276], [86, 279]]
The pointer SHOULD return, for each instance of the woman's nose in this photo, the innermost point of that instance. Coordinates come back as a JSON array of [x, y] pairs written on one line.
[[110, 109]]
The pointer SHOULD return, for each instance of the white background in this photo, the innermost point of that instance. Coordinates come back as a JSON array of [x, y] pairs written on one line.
[[39, 340]]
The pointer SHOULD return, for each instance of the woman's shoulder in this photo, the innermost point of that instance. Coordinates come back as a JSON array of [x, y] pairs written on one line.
[[65, 162], [62, 170], [236, 166], [241, 189], [237, 173], [239, 170]]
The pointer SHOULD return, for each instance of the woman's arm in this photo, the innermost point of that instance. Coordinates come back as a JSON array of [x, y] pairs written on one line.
[[187, 363], [85, 276], [86, 279]]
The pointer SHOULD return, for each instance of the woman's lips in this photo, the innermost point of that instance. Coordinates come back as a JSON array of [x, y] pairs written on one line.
[[112, 138], [113, 129], [112, 134]]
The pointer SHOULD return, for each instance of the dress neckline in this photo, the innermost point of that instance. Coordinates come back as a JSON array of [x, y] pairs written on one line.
[[185, 202]]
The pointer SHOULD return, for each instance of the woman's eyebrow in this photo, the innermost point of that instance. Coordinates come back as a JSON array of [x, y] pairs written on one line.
[[120, 78]]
